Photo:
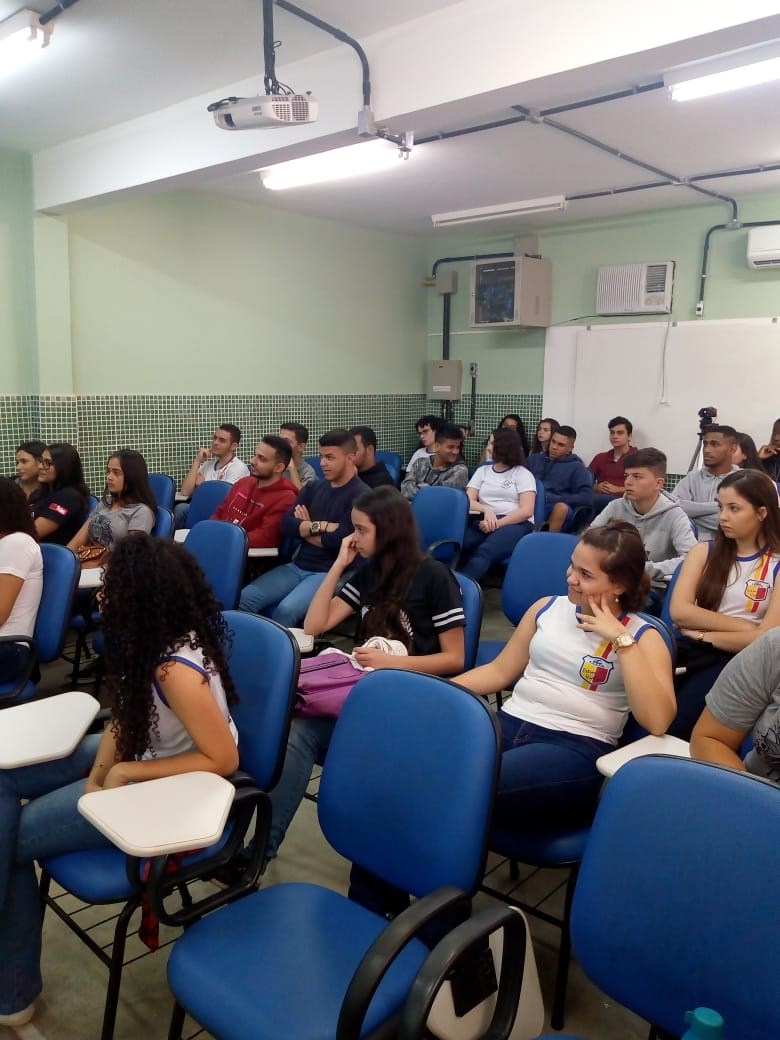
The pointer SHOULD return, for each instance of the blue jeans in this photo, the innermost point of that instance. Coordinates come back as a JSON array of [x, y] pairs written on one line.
[[548, 778], [483, 550], [306, 746], [283, 594], [180, 513], [47, 825]]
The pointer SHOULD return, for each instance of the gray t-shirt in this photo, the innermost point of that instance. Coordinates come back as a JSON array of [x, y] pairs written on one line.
[[746, 696], [107, 527]]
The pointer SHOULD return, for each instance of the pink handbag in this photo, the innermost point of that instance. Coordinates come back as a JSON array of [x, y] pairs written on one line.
[[324, 684]]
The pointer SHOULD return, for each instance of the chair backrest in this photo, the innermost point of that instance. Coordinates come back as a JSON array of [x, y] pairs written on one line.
[[442, 514], [389, 797], [666, 608], [163, 526], [675, 906], [220, 549], [206, 498], [92, 504], [473, 607], [163, 488], [537, 567], [539, 516], [314, 462], [264, 662], [394, 464], [61, 572], [663, 631]]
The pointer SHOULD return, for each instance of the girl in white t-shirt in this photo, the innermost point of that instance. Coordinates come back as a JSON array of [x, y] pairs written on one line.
[[584, 660], [21, 576], [170, 689], [503, 493], [724, 597]]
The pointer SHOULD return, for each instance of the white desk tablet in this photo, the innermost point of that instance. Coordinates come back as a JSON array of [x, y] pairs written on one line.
[[174, 814], [609, 764], [44, 730], [91, 578]]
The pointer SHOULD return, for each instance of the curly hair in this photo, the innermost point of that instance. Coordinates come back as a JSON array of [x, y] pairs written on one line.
[[154, 599], [623, 561], [395, 562], [14, 509]]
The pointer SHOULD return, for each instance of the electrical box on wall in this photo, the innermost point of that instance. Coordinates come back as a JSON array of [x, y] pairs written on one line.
[[512, 293], [444, 380]]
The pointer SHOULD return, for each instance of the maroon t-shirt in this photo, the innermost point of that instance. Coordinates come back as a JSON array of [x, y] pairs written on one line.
[[606, 470]]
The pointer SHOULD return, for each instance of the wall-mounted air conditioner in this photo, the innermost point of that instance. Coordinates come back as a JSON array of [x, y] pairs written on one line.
[[635, 289], [763, 246]]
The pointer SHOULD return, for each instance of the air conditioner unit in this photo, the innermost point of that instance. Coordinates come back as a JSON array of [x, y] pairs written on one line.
[[635, 289], [763, 247]]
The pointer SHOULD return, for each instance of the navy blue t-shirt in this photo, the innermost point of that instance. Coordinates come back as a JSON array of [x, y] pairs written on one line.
[[326, 504]]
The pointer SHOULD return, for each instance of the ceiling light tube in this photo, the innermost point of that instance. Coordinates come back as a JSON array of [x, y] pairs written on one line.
[[549, 204], [22, 37], [338, 164], [745, 68]]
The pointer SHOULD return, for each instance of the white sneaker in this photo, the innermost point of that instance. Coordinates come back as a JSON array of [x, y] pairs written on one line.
[[18, 1018]]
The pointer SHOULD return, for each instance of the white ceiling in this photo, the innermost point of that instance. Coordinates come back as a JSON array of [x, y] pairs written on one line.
[[133, 57]]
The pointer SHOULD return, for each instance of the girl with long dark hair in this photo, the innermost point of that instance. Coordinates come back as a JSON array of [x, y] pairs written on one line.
[[127, 504], [724, 597], [398, 594], [544, 432], [21, 576], [170, 690], [59, 504], [746, 453]]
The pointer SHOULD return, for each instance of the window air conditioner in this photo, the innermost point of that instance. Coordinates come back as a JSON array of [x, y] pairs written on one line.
[[763, 247], [635, 289]]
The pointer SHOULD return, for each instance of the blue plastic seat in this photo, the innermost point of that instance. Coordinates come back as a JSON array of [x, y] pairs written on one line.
[[473, 608], [314, 462], [61, 572], [441, 514], [163, 525], [675, 905], [220, 549], [391, 803], [262, 716], [206, 499], [666, 609], [163, 488], [394, 464]]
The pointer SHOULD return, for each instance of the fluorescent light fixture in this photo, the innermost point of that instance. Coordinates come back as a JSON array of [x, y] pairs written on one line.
[[550, 204], [22, 37], [338, 164], [745, 68]]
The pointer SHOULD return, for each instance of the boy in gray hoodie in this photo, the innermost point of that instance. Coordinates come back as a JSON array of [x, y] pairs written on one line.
[[665, 528]]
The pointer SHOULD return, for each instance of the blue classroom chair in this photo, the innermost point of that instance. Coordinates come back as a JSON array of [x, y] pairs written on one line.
[[394, 464], [220, 549], [164, 489], [314, 462], [473, 608], [206, 499], [441, 514]]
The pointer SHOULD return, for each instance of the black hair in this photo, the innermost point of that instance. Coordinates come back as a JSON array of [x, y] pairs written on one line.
[[748, 448], [727, 431], [567, 431], [448, 432], [68, 471], [338, 438], [280, 446], [366, 434], [507, 447], [15, 512], [135, 475], [301, 432], [646, 458], [34, 448], [235, 433], [429, 420], [554, 427], [520, 429], [624, 560], [620, 420]]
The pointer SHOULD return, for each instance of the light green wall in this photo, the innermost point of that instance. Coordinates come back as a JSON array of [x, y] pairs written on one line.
[[192, 293], [17, 285], [512, 361]]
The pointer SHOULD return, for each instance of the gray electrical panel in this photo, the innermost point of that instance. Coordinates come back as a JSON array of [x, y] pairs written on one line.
[[444, 380], [511, 293]]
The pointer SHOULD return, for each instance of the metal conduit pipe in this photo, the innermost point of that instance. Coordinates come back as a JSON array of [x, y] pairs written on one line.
[[734, 226]]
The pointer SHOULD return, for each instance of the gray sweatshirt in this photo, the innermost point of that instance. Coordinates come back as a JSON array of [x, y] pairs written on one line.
[[665, 529], [697, 494], [422, 474]]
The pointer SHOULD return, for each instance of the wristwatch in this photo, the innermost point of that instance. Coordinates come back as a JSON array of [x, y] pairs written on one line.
[[315, 527], [623, 640]]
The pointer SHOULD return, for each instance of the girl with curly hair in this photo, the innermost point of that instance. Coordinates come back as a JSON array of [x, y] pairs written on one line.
[[170, 688], [399, 594]]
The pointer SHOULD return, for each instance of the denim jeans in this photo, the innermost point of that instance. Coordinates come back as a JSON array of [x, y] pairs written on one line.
[[483, 550], [180, 513], [306, 746], [548, 777], [47, 825], [283, 594]]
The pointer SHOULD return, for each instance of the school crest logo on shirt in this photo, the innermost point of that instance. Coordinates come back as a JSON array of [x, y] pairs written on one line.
[[756, 590], [595, 670]]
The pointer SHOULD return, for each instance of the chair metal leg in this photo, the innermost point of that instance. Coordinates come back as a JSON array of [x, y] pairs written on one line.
[[115, 969], [176, 1027], [564, 955]]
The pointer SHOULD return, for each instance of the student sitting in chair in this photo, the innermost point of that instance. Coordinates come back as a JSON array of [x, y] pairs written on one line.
[[445, 468], [568, 484]]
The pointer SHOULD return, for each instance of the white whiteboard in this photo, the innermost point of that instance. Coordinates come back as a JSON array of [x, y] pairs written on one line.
[[659, 375]]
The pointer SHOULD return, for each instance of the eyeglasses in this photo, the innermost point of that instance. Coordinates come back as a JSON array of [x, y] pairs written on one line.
[[46, 463]]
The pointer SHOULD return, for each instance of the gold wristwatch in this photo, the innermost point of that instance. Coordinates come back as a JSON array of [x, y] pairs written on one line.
[[623, 640]]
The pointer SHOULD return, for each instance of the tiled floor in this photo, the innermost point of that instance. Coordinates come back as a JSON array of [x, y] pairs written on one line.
[[74, 987]]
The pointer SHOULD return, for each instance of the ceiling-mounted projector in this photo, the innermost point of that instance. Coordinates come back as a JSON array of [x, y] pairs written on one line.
[[264, 111]]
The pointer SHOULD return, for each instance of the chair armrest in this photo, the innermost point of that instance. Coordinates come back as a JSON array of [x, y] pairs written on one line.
[[471, 937], [384, 950], [162, 881], [28, 670], [453, 563]]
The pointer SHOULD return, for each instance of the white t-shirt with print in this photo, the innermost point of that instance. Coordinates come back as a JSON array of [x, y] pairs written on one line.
[[20, 555], [232, 471], [500, 489]]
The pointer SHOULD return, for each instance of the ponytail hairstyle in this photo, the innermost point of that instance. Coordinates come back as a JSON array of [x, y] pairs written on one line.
[[760, 491], [623, 562]]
